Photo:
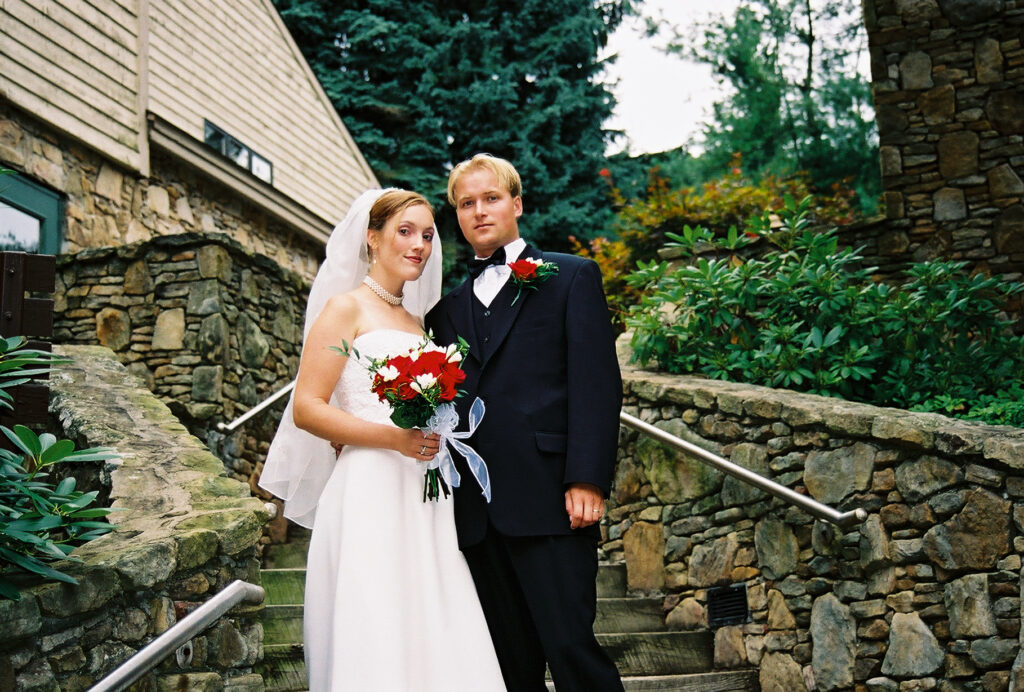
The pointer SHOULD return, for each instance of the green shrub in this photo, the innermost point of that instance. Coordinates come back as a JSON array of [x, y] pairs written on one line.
[[42, 518], [807, 315], [642, 224]]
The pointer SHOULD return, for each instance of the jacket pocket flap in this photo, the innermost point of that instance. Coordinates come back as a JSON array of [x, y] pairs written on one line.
[[552, 442]]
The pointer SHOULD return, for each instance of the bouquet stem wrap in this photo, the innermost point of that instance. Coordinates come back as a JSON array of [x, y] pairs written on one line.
[[443, 423]]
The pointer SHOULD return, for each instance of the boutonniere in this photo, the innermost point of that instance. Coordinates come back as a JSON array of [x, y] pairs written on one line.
[[530, 273]]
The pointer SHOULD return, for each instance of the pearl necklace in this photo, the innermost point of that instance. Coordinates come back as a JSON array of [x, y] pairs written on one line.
[[382, 293]]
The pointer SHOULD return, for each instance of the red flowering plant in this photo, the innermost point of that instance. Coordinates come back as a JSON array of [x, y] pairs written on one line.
[[419, 386], [530, 273]]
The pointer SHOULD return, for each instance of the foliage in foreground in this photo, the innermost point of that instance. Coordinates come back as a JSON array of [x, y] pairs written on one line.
[[42, 518], [806, 315]]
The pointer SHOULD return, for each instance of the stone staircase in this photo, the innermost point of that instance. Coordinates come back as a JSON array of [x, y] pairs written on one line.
[[630, 628]]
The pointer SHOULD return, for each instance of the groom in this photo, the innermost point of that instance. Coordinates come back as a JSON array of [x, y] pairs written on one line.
[[542, 358]]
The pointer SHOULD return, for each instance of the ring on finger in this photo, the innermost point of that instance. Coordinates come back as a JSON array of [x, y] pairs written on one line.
[[423, 450]]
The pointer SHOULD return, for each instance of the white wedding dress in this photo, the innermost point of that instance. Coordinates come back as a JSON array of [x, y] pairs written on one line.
[[390, 603]]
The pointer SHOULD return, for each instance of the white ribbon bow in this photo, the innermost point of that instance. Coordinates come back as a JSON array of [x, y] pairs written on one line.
[[443, 423]]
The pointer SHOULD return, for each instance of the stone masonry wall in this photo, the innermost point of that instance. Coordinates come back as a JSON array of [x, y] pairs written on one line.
[[183, 532], [948, 85], [106, 205], [925, 594], [212, 328]]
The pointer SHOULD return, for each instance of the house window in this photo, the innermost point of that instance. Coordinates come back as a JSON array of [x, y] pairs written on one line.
[[242, 155], [29, 216]]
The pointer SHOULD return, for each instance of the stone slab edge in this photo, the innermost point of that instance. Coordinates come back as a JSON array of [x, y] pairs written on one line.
[[176, 507]]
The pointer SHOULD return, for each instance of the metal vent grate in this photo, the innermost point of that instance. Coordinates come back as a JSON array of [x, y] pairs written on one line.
[[727, 605]]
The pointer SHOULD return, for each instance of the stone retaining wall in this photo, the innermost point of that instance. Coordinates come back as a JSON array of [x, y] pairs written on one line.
[[924, 595], [184, 532], [212, 328], [948, 85]]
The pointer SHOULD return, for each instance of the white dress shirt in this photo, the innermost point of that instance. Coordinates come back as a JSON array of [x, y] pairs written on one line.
[[493, 278]]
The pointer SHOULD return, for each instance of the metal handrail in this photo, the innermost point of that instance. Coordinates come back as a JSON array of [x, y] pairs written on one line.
[[257, 409], [187, 628], [809, 505]]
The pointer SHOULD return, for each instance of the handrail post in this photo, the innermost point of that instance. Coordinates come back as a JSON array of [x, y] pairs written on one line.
[[197, 621], [808, 504]]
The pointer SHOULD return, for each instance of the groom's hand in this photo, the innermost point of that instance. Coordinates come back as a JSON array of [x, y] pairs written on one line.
[[584, 504]]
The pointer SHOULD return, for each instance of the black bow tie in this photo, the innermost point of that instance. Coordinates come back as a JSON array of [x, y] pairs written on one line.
[[477, 266]]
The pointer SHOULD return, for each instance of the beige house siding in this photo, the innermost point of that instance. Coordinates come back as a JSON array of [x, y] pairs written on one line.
[[75, 65], [93, 70], [230, 62]]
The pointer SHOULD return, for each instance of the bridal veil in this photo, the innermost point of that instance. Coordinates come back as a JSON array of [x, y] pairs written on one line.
[[299, 464]]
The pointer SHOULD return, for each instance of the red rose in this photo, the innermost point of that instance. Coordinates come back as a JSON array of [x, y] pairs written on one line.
[[428, 363], [524, 270]]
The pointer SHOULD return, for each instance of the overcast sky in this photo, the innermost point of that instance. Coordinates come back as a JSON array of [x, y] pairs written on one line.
[[661, 98]]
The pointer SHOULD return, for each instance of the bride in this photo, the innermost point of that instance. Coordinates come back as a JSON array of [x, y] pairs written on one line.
[[390, 604]]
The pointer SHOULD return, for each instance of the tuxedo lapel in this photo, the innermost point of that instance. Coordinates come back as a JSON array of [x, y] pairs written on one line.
[[461, 316], [507, 315]]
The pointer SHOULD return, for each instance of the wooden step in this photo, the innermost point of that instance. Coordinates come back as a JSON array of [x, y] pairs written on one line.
[[629, 615], [282, 625], [731, 681], [285, 555], [284, 586], [643, 654], [611, 580], [660, 653], [283, 669]]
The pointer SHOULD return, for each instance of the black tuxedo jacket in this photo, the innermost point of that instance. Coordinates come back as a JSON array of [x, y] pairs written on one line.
[[549, 378]]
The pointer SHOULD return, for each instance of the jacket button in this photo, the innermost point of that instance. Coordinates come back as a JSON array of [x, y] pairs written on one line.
[[487, 313], [486, 339]]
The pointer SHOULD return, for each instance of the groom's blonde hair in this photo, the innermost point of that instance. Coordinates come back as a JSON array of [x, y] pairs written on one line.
[[505, 172]]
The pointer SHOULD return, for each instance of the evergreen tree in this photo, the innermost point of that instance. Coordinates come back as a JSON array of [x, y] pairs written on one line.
[[795, 100], [423, 84]]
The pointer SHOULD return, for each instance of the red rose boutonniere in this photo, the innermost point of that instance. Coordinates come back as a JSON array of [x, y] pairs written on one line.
[[530, 273]]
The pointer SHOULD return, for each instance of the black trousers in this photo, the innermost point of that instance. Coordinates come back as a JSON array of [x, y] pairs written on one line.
[[539, 596]]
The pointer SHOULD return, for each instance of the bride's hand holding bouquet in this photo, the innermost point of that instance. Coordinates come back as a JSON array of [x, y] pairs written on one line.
[[420, 385]]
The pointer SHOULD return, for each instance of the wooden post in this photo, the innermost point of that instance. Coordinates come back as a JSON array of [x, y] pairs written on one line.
[[30, 317]]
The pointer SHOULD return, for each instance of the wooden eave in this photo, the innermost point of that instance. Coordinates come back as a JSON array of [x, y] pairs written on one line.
[[171, 140]]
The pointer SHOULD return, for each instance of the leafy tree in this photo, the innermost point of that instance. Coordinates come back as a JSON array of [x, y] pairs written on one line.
[[422, 84], [795, 100]]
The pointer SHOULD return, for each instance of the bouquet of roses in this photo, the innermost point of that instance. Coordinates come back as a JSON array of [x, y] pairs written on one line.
[[419, 386]]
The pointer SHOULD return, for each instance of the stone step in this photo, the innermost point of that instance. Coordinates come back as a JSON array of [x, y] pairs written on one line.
[[642, 654]]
